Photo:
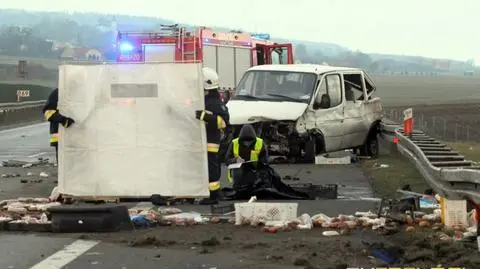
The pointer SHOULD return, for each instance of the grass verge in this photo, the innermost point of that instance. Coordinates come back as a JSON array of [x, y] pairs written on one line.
[[390, 172], [470, 151]]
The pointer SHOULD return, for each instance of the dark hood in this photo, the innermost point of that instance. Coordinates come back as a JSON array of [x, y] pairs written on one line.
[[247, 133]]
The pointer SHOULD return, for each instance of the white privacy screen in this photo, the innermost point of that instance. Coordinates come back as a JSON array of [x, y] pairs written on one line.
[[135, 132]]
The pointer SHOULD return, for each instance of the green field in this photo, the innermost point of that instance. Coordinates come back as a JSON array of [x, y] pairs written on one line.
[[409, 90], [8, 92], [393, 90], [47, 63]]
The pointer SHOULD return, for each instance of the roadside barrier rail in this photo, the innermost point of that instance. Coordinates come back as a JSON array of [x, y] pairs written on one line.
[[446, 171], [17, 105], [12, 114]]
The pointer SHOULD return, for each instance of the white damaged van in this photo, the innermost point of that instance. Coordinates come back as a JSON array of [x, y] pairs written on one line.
[[304, 110]]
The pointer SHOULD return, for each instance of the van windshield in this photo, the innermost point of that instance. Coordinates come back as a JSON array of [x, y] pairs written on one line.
[[276, 86]]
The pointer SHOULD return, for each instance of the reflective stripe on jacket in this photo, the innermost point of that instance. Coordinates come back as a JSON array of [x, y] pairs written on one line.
[[254, 154]]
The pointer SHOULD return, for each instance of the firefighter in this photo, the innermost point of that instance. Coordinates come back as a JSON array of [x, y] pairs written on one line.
[[249, 150], [51, 113], [216, 117]]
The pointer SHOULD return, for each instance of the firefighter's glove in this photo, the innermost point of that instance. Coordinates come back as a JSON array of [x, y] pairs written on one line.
[[198, 114], [239, 160], [67, 122], [204, 115]]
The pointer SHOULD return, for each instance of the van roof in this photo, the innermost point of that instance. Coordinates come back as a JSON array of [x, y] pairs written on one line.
[[305, 68]]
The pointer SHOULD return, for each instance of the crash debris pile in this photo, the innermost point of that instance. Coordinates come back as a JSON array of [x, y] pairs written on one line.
[[31, 177], [164, 216], [25, 214], [339, 225], [16, 163]]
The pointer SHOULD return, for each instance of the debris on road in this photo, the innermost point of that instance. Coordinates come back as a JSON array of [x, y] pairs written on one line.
[[17, 163], [10, 175], [25, 214]]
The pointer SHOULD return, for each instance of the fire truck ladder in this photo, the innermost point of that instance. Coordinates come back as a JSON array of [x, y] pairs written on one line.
[[184, 39], [183, 34]]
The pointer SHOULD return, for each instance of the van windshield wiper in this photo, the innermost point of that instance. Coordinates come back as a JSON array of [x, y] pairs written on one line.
[[284, 96], [247, 96]]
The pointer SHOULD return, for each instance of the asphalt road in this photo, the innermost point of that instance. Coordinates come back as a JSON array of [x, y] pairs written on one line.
[[26, 143], [25, 250]]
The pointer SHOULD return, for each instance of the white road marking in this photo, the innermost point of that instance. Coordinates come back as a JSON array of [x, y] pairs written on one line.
[[14, 130], [37, 155], [66, 255]]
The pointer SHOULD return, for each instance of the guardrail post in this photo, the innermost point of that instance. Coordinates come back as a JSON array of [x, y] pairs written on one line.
[[408, 122]]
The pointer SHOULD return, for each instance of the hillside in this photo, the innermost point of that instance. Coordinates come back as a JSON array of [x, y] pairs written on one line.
[[29, 19], [92, 30]]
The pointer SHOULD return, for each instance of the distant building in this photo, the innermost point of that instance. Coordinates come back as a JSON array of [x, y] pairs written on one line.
[[440, 64], [82, 54], [60, 46]]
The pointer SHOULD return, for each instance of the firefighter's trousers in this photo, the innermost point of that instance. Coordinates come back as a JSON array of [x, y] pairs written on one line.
[[214, 171]]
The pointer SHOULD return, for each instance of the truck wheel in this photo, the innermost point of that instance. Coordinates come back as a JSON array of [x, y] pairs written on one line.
[[310, 150], [371, 148]]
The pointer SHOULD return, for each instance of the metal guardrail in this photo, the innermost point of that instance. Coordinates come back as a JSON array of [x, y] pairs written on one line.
[[15, 114], [20, 105], [459, 180]]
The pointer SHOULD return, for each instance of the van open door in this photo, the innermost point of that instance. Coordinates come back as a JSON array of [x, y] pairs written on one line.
[[274, 54]]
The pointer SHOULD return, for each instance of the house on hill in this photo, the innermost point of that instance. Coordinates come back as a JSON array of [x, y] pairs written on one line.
[[82, 54]]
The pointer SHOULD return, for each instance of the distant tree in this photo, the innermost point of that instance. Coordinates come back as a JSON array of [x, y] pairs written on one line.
[[318, 57], [300, 53], [374, 66]]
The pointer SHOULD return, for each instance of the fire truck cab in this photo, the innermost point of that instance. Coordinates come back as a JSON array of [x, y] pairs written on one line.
[[229, 53]]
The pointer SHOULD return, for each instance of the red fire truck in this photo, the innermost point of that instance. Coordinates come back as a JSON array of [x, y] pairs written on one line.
[[229, 53]]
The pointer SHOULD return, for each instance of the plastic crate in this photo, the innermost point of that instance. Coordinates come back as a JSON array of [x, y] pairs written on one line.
[[327, 191], [262, 212], [454, 212]]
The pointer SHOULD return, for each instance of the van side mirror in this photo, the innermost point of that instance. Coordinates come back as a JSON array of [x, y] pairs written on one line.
[[324, 102]]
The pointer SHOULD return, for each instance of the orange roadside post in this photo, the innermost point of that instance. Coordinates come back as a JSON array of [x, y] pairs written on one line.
[[408, 122]]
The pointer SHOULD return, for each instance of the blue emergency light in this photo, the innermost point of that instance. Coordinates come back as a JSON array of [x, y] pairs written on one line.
[[126, 47]]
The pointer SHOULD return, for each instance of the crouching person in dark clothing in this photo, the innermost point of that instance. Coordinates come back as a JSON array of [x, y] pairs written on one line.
[[255, 176], [249, 150]]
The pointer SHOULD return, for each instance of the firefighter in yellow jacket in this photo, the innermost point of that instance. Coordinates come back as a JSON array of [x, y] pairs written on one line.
[[51, 113], [216, 117]]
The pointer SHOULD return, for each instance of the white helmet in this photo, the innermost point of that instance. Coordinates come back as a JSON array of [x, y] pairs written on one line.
[[210, 79]]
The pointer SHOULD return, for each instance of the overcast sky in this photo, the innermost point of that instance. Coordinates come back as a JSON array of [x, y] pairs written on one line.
[[432, 28]]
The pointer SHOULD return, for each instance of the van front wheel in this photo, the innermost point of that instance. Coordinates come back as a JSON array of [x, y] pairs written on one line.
[[371, 147], [310, 150]]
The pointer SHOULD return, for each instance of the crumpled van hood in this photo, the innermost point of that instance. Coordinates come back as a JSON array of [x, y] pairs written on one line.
[[243, 112]]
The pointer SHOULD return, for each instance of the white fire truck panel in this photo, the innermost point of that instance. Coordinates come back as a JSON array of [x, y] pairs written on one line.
[[229, 62], [226, 68], [210, 56], [243, 61], [159, 53]]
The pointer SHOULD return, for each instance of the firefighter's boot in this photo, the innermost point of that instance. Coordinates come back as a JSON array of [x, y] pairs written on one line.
[[213, 199]]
